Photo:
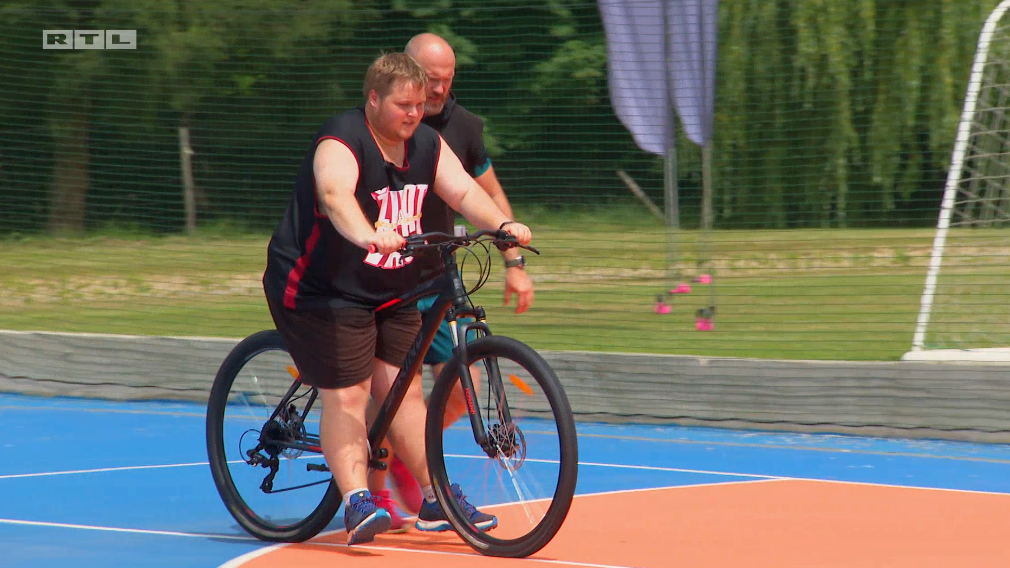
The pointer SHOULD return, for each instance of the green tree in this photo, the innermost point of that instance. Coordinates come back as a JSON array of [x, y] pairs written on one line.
[[204, 49], [189, 51], [72, 82], [831, 113]]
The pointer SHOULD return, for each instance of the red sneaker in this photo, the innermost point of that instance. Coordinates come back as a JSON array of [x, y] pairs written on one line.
[[408, 492], [383, 500]]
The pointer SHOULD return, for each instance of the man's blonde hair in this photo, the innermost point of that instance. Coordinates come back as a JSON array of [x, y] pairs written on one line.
[[389, 68]]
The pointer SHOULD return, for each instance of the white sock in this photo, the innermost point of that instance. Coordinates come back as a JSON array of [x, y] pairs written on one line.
[[429, 493], [347, 496]]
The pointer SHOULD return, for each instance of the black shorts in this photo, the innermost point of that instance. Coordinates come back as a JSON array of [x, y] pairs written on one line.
[[335, 348]]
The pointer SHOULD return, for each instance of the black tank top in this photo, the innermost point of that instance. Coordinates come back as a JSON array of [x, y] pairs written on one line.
[[311, 265]]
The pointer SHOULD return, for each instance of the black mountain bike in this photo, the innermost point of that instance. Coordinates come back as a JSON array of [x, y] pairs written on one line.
[[516, 457]]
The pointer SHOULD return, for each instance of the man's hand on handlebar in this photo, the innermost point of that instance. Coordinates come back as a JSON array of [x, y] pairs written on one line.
[[521, 232], [385, 242]]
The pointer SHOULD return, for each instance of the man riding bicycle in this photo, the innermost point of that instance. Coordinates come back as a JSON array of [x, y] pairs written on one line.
[[463, 132], [363, 184]]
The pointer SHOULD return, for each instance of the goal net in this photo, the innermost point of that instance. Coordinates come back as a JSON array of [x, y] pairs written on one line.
[[965, 308]]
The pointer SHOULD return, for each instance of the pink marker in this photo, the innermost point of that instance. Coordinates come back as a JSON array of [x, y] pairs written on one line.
[[704, 324]]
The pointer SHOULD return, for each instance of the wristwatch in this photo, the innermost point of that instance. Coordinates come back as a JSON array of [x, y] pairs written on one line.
[[517, 261]]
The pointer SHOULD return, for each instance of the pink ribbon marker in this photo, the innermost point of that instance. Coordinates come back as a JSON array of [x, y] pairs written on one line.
[[704, 324], [681, 289]]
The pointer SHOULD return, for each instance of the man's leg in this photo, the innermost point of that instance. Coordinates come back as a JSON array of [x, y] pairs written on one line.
[[407, 428], [344, 440], [377, 480], [333, 352], [343, 436]]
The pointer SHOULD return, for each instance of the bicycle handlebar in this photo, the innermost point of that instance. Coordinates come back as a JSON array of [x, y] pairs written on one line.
[[502, 239]]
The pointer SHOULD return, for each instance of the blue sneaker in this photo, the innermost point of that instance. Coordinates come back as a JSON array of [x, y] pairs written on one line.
[[363, 519], [432, 517]]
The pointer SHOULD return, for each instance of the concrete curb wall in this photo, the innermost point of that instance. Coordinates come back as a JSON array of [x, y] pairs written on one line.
[[902, 398]]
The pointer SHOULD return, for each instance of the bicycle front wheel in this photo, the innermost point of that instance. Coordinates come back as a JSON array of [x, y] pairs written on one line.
[[257, 412], [526, 475]]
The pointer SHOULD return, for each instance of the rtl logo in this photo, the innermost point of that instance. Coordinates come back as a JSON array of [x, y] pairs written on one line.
[[89, 39]]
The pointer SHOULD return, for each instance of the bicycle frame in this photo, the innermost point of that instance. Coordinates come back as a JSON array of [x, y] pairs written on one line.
[[451, 299]]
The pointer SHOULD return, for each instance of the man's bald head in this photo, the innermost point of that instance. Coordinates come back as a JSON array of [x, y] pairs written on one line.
[[429, 46], [438, 59]]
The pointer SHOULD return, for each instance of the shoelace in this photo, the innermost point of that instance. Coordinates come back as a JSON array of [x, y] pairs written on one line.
[[364, 505], [469, 509]]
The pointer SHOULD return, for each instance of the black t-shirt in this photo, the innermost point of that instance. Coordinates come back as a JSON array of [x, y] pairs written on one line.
[[311, 265], [464, 133]]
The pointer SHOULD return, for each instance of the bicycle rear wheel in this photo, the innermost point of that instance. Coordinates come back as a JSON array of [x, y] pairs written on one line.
[[528, 481], [256, 409]]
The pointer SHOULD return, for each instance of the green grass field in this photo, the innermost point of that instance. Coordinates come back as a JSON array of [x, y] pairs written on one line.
[[803, 294]]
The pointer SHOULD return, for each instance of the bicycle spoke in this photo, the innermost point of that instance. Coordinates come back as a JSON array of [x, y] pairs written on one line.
[[263, 414], [532, 459]]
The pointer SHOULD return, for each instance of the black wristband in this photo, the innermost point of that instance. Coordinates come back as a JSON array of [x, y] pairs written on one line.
[[502, 226]]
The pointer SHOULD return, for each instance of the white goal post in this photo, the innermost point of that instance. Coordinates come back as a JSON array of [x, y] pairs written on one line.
[[964, 312]]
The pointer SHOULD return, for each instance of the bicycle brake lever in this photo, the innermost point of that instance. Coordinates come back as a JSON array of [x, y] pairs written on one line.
[[504, 241]]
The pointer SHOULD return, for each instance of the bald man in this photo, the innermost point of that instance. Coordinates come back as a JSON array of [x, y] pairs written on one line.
[[464, 133]]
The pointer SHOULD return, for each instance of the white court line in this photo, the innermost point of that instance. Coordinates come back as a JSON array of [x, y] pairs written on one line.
[[691, 486], [123, 468], [100, 470], [125, 530], [249, 556], [581, 464], [241, 560], [460, 456], [756, 477], [640, 467]]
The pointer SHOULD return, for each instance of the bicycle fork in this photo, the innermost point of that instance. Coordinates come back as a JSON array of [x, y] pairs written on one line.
[[499, 440]]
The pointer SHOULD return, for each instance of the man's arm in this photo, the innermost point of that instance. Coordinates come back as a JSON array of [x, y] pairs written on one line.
[[517, 281], [489, 182], [463, 194], [336, 172]]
